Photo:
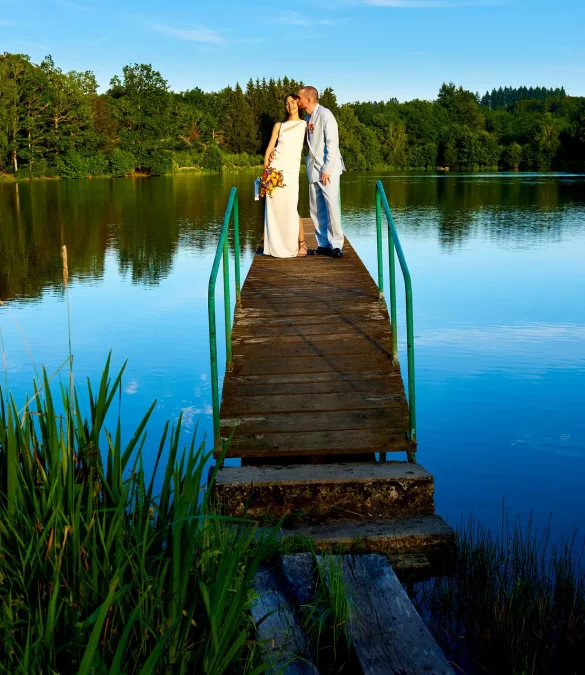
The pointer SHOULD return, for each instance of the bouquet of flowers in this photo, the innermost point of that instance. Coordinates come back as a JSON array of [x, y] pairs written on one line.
[[271, 179]]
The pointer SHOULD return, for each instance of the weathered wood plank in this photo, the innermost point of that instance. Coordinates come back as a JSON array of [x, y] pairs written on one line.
[[283, 307], [293, 403], [335, 363], [251, 333], [286, 646], [358, 420], [386, 632], [298, 570], [323, 321], [388, 382], [275, 378], [308, 443], [347, 345]]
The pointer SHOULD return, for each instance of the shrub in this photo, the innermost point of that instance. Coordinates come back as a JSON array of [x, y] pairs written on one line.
[[160, 162], [213, 158], [73, 164], [188, 158], [122, 162]]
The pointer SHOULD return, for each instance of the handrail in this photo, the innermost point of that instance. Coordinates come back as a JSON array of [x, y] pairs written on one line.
[[395, 246], [222, 252]]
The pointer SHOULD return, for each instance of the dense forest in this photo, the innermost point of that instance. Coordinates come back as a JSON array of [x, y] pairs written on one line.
[[55, 123]]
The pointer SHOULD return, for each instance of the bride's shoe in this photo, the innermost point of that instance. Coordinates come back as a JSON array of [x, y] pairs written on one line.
[[303, 250]]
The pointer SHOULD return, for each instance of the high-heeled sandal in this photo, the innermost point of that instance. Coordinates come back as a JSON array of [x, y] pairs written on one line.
[[303, 247]]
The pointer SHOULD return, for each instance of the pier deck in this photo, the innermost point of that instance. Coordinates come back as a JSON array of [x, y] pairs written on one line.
[[313, 374]]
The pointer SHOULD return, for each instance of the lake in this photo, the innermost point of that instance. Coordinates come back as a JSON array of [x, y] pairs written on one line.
[[499, 288]]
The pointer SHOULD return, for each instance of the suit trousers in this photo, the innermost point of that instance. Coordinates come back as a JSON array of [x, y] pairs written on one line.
[[326, 213]]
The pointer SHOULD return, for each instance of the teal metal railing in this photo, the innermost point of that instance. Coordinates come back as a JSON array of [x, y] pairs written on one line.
[[222, 255], [395, 249]]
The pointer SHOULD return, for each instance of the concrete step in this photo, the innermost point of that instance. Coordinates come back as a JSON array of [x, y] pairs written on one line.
[[313, 492], [426, 544]]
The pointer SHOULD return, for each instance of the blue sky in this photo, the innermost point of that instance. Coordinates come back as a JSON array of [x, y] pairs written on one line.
[[365, 49]]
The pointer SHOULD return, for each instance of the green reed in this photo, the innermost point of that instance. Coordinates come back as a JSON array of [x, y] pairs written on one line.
[[100, 574], [515, 605]]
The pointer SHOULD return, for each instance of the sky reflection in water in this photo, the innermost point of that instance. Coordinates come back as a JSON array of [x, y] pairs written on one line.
[[496, 262]]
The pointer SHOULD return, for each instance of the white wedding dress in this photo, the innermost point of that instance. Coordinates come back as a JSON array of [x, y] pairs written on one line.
[[281, 218]]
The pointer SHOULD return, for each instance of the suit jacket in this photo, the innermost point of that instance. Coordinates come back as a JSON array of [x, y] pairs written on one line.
[[323, 142]]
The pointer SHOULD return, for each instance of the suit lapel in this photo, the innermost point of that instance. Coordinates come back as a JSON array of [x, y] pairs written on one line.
[[313, 119]]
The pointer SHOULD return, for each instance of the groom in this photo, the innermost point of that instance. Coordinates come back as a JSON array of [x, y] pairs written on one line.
[[324, 168]]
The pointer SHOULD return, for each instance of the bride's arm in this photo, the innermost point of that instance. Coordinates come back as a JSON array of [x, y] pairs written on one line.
[[271, 145]]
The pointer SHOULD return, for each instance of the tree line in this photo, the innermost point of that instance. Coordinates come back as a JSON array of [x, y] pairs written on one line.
[[55, 123]]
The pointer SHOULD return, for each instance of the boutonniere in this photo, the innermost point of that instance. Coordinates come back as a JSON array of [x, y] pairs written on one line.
[[311, 128]]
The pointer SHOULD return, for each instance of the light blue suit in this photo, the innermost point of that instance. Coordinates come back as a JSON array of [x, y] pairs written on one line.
[[324, 157]]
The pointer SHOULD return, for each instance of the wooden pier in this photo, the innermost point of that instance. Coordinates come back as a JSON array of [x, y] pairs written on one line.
[[313, 375], [313, 404]]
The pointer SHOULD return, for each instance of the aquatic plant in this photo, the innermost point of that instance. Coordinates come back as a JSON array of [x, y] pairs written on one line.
[[516, 603], [98, 573]]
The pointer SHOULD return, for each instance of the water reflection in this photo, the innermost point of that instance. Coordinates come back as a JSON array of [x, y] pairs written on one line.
[[146, 221], [496, 262]]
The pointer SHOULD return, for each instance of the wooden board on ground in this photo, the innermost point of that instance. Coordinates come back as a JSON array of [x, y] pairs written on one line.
[[313, 371], [285, 645], [386, 632], [387, 635]]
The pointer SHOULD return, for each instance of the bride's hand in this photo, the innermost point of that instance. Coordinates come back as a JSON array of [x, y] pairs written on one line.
[[273, 155]]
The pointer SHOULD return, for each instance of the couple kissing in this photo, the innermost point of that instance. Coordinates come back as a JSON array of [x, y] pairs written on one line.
[[283, 228]]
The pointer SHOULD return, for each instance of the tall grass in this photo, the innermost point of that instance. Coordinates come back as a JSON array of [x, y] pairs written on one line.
[[515, 605], [98, 574]]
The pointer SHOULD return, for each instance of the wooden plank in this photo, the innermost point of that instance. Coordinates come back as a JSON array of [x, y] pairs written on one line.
[[286, 646], [300, 378], [387, 634], [380, 418], [327, 402], [312, 364], [298, 570], [322, 322], [300, 336], [378, 385], [308, 443], [283, 307], [345, 345]]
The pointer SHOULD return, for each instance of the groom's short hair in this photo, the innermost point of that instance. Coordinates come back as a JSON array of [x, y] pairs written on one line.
[[311, 93]]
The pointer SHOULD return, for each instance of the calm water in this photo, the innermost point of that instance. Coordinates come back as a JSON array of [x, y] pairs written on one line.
[[499, 288]]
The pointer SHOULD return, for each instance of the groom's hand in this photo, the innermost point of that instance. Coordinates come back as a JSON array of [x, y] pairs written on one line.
[[325, 178]]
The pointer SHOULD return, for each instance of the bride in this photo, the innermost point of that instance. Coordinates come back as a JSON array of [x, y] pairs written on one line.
[[283, 228]]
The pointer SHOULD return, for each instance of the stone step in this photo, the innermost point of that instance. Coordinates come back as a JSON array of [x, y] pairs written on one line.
[[313, 492], [423, 544]]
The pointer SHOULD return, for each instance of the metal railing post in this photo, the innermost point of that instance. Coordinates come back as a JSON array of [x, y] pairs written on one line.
[[222, 255], [379, 246], [213, 361], [395, 250], [237, 253], [392, 282], [229, 361]]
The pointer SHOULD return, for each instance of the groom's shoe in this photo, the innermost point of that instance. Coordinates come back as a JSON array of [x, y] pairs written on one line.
[[336, 253], [324, 250]]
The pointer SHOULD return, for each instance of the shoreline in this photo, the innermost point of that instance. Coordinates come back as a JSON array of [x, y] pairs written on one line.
[[6, 178]]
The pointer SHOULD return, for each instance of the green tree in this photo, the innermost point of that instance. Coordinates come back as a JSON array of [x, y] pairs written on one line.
[[512, 156], [461, 105], [141, 104], [239, 127], [69, 111], [544, 142]]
